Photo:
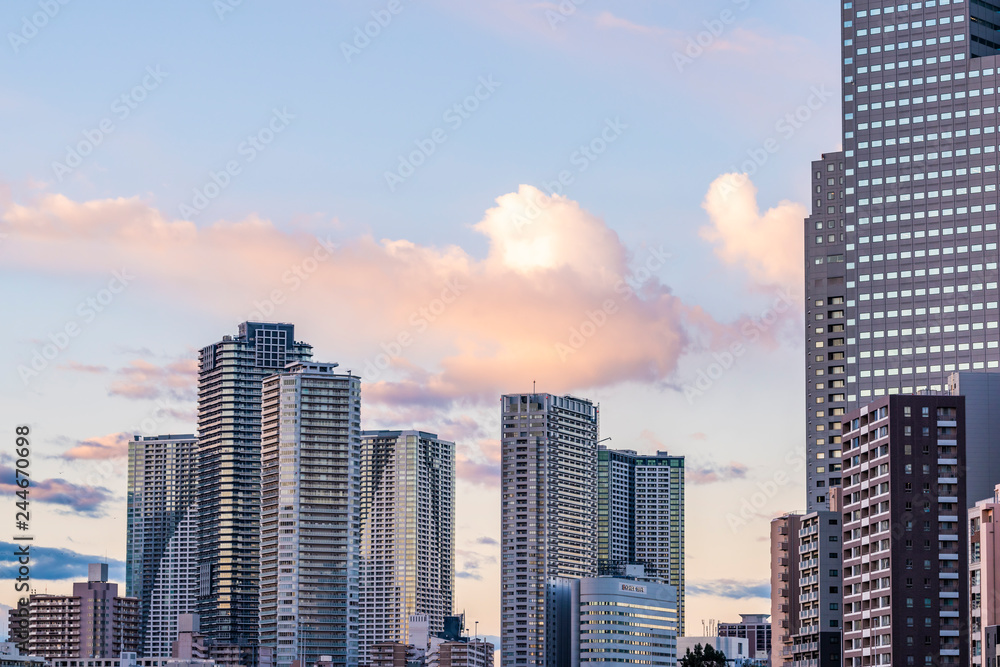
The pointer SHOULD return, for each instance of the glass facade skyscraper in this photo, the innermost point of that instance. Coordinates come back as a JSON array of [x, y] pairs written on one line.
[[230, 373], [161, 562], [407, 534]]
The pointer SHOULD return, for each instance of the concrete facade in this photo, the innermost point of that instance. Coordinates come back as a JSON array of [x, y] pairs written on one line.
[[548, 512], [904, 543]]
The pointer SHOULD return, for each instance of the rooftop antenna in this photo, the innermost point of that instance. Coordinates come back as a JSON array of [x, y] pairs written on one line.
[[533, 390]]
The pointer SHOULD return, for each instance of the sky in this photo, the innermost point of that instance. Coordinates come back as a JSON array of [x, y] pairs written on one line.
[[455, 200]]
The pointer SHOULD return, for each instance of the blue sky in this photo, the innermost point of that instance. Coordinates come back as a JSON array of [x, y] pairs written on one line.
[[557, 85]]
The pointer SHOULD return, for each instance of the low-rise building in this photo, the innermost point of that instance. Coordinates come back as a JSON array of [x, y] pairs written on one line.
[[11, 656], [736, 649], [756, 629]]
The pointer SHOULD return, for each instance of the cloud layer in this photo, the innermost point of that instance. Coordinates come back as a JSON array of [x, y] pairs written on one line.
[[729, 588], [49, 564], [554, 299], [81, 499]]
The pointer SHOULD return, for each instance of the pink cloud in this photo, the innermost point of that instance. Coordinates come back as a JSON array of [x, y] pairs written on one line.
[[768, 245], [112, 446], [144, 380], [550, 302], [84, 368]]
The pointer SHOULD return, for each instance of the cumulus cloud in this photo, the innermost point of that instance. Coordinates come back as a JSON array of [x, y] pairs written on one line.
[[111, 446], [768, 245], [50, 564], [552, 301], [80, 499], [729, 588]]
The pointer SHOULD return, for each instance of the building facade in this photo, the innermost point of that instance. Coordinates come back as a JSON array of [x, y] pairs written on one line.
[[627, 619], [984, 577], [93, 622], [756, 629], [640, 515], [310, 514], [161, 563], [548, 512], [806, 591], [826, 321], [905, 548], [407, 533], [785, 604], [230, 373], [921, 193]]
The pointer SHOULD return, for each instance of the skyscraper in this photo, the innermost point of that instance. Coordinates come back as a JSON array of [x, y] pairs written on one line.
[[229, 383], [310, 514], [161, 562], [640, 515], [920, 146], [826, 346], [905, 571], [548, 512], [407, 533]]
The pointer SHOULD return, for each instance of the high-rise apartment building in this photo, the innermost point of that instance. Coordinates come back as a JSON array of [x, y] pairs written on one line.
[[805, 592], [984, 578], [161, 564], [93, 622], [407, 534], [826, 322], [230, 373], [640, 515], [904, 543], [310, 514], [548, 512]]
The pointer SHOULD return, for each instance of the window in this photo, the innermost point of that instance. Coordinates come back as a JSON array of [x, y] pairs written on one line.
[[925, 412]]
